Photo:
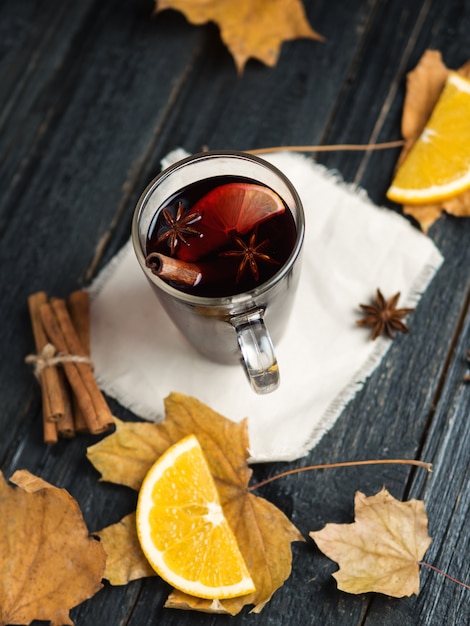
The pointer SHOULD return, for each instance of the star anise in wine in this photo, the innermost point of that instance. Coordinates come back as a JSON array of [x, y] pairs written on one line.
[[250, 254], [179, 227], [383, 317]]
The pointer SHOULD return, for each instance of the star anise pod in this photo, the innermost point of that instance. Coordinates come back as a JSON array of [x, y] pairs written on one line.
[[179, 227], [383, 317], [251, 254]]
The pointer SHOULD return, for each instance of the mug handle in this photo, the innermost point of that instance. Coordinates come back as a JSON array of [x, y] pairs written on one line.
[[258, 357]]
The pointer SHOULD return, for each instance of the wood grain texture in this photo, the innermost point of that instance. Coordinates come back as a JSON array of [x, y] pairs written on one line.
[[92, 96]]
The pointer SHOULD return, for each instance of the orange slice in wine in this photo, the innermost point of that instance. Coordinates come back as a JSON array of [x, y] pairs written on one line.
[[226, 209]]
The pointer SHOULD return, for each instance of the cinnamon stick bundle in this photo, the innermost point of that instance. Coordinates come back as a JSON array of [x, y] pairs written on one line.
[[72, 400], [61, 332], [53, 393]]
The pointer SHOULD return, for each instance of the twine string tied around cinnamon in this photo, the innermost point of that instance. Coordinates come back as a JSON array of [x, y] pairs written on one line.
[[49, 357]]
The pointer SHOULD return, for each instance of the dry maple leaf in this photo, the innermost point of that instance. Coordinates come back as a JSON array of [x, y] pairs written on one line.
[[424, 85], [48, 561], [382, 549], [249, 28], [263, 532], [122, 567]]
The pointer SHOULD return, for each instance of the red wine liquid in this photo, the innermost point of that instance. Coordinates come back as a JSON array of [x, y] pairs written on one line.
[[279, 233]]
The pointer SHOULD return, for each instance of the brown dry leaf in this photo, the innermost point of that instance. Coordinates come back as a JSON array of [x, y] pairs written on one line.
[[425, 214], [381, 550], [249, 28], [125, 456], [263, 532], [48, 561], [423, 88], [458, 206], [122, 566]]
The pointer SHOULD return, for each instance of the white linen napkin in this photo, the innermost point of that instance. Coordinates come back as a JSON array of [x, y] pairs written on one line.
[[351, 248]]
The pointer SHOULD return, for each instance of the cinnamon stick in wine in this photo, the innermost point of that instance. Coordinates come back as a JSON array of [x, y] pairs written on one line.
[[182, 272]]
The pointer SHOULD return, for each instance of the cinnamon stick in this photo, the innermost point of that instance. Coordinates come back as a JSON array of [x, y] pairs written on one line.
[[78, 304], [53, 408], [184, 273], [66, 425], [74, 347], [49, 427], [60, 330]]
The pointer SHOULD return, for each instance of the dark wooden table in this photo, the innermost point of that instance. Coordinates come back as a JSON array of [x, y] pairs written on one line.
[[93, 95]]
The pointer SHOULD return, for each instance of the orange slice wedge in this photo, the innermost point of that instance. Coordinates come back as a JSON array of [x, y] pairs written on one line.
[[230, 208], [182, 528], [438, 165]]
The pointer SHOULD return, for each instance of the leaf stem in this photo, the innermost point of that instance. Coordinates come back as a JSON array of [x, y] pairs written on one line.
[[298, 470], [439, 571], [331, 148]]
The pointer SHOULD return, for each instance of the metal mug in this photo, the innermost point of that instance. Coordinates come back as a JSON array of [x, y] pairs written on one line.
[[229, 329]]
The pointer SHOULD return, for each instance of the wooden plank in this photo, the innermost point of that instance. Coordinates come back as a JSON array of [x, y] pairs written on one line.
[[36, 44], [447, 445]]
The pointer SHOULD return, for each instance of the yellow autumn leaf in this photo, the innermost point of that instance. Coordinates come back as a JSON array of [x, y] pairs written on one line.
[[48, 561], [122, 566], [263, 532], [382, 549], [249, 28]]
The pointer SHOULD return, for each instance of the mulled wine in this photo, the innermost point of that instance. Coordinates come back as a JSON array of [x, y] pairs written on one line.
[[220, 236]]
